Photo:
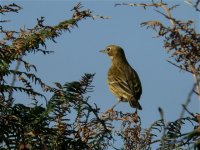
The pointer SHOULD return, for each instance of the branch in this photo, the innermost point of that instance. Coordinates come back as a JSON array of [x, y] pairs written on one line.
[[196, 79], [180, 67], [30, 40], [10, 8], [193, 5], [188, 100], [162, 5]]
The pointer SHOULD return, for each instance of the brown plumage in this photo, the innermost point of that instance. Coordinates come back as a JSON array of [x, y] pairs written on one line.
[[122, 79]]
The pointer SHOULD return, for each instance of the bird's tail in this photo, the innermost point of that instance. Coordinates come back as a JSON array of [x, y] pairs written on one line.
[[135, 104]]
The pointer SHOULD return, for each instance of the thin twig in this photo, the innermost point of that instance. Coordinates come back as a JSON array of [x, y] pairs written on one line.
[[162, 5], [188, 100], [188, 111], [168, 15], [14, 78], [164, 129], [178, 66], [196, 80]]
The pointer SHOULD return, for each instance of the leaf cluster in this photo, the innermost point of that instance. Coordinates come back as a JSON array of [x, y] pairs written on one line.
[[67, 122]]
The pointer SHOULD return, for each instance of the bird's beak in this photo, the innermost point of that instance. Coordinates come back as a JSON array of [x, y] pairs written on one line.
[[103, 51]]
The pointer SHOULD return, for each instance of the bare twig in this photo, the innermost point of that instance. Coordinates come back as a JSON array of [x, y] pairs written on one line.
[[14, 79], [193, 5], [188, 111], [178, 66], [162, 5], [164, 130], [188, 100], [196, 80]]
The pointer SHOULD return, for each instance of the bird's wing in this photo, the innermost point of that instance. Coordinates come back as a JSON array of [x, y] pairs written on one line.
[[124, 82], [119, 86], [120, 83], [133, 82]]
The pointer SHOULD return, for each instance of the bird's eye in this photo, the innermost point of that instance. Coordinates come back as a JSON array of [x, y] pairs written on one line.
[[108, 49]]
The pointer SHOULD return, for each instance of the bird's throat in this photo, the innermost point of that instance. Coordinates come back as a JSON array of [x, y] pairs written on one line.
[[111, 57]]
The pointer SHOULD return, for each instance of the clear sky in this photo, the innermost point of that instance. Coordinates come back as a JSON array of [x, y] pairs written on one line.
[[77, 53]]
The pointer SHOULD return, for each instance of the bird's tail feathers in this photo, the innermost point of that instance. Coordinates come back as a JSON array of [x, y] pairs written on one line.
[[135, 104]]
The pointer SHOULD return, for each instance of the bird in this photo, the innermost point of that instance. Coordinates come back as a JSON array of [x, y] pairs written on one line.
[[122, 79]]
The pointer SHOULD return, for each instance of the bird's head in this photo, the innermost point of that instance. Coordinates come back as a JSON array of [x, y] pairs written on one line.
[[114, 51]]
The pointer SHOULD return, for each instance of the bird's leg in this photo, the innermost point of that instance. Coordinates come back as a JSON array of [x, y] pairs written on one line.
[[135, 111], [135, 117], [115, 104], [111, 109]]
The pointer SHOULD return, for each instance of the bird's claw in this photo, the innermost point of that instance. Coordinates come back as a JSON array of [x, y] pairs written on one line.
[[110, 110]]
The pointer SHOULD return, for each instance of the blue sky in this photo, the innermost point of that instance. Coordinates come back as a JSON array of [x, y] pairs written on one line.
[[77, 53]]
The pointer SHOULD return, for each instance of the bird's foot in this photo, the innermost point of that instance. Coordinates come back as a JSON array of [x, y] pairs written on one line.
[[135, 111], [111, 110], [135, 117]]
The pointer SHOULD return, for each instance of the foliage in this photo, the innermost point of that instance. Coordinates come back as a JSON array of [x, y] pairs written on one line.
[[51, 127], [29, 41], [69, 120], [45, 127]]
